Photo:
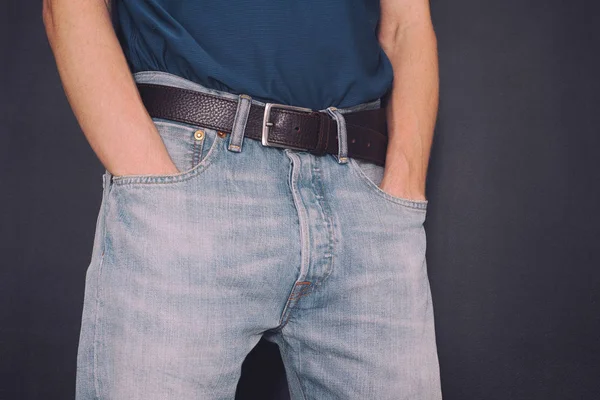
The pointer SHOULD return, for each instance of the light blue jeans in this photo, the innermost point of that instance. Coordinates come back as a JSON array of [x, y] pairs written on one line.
[[190, 270]]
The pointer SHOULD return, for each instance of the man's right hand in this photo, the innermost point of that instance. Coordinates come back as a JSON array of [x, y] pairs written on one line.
[[152, 166], [101, 90], [148, 156]]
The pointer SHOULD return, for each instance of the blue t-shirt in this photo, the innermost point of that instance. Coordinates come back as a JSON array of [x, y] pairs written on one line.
[[309, 53]]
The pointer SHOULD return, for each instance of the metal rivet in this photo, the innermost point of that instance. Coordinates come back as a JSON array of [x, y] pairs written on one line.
[[199, 135], [221, 134]]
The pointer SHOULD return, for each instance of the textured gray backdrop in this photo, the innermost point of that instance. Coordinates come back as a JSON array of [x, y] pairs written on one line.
[[513, 225]]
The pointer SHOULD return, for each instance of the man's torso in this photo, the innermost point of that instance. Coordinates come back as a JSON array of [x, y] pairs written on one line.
[[310, 53]]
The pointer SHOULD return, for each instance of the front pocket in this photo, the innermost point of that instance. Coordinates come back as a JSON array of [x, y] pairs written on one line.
[[372, 175], [191, 148]]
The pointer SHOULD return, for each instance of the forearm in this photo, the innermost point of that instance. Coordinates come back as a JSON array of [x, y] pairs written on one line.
[[412, 107], [99, 86]]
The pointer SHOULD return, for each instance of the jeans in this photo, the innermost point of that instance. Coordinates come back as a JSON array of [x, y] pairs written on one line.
[[189, 270]]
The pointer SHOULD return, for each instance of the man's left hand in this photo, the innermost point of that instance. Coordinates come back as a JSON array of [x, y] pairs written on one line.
[[400, 185]]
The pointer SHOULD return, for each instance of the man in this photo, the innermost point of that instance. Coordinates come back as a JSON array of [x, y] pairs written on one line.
[[228, 216]]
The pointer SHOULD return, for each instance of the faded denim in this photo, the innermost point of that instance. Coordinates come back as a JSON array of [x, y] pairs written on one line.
[[188, 271]]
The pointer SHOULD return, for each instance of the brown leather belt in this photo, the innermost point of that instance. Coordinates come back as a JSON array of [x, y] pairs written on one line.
[[276, 125]]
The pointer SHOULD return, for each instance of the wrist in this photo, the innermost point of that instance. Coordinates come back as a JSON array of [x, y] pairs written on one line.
[[403, 179]]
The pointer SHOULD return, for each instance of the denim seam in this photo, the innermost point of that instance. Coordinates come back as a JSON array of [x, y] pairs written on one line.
[[292, 300], [305, 253], [108, 190], [197, 152], [304, 240], [318, 189], [285, 314]]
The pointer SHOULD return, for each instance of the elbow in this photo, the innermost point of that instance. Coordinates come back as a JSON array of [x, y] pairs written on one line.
[[393, 37]]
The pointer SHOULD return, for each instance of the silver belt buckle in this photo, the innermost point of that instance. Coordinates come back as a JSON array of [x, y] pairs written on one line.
[[266, 124]]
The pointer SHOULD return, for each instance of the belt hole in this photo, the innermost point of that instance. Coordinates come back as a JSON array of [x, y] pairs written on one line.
[[353, 140]]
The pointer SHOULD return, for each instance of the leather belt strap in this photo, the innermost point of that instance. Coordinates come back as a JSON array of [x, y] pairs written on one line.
[[313, 131]]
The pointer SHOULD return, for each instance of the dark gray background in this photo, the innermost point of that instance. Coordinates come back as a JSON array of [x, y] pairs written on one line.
[[513, 228]]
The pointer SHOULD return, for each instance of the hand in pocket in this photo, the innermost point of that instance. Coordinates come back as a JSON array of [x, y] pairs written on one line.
[[151, 158]]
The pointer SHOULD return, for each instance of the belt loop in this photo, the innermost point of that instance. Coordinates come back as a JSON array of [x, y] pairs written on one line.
[[342, 134], [106, 179], [239, 123]]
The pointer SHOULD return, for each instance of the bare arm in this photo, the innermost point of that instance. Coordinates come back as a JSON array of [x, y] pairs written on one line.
[[407, 37], [100, 89]]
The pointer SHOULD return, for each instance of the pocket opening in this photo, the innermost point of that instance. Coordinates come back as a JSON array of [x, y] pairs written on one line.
[[372, 174], [190, 147]]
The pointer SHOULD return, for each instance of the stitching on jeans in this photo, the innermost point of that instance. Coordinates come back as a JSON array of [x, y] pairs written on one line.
[[105, 196], [289, 304], [302, 290], [197, 154], [319, 188], [332, 242]]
